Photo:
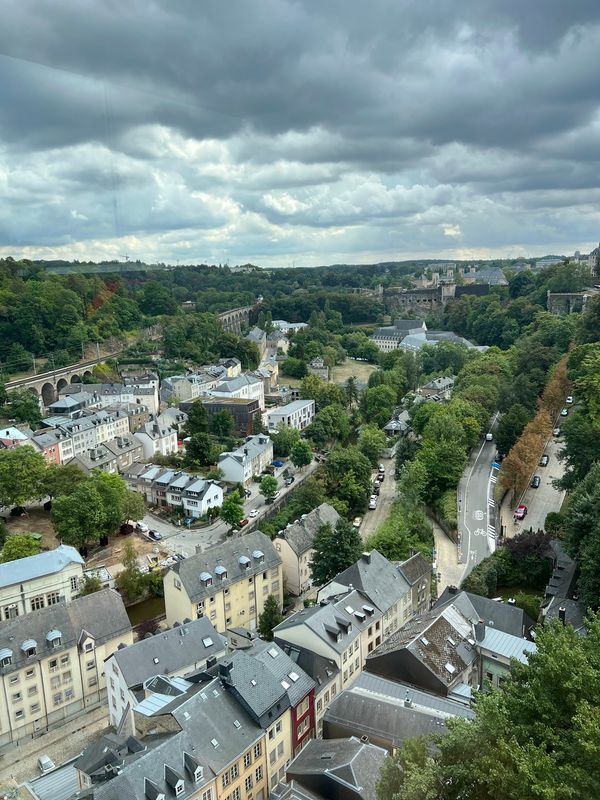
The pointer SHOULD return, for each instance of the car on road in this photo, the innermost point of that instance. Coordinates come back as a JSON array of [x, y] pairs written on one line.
[[521, 511], [544, 460], [556, 432], [373, 502], [381, 477], [564, 412], [277, 463], [247, 492], [45, 765], [376, 490], [382, 468], [535, 482], [155, 535], [242, 523], [357, 522], [253, 513], [142, 527], [488, 437], [290, 480], [569, 400]]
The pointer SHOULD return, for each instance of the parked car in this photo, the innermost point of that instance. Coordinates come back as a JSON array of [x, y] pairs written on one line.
[[535, 482], [373, 502], [290, 480], [253, 513], [556, 432], [521, 511], [357, 522], [277, 463], [564, 412], [45, 765], [142, 527], [376, 485], [247, 492], [544, 460], [155, 535], [242, 523], [569, 400], [376, 490], [381, 477], [18, 511], [178, 557], [381, 468]]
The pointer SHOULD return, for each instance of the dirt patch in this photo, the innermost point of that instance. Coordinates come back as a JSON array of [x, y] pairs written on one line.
[[357, 369], [113, 553], [38, 521]]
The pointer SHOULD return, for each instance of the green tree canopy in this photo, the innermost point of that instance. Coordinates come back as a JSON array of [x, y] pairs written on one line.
[[334, 550], [197, 421], [511, 426], [269, 618], [268, 486], [301, 454], [19, 546], [284, 440], [23, 406], [22, 472], [79, 517], [222, 424], [371, 442], [232, 510]]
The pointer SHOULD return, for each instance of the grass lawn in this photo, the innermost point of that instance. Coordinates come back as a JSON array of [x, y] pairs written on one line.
[[350, 368]]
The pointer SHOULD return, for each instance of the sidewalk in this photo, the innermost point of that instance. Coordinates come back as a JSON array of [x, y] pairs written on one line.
[[447, 565]]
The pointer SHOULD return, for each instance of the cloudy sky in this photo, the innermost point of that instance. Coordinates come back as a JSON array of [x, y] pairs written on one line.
[[296, 131]]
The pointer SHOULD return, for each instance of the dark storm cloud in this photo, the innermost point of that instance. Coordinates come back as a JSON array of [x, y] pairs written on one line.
[[283, 116]]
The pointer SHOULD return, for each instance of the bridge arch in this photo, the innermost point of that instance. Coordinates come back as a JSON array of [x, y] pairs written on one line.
[[88, 374], [60, 384], [75, 379], [48, 393]]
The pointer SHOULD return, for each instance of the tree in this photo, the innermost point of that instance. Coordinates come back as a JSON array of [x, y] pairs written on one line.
[[511, 426], [371, 442], [89, 585], [378, 404], [133, 506], [79, 517], [537, 738], [334, 550], [21, 475], [199, 449], [130, 580], [269, 618], [232, 510], [197, 421], [222, 424], [24, 407], [61, 479], [19, 546], [351, 391], [268, 486], [301, 454], [284, 440], [444, 462], [294, 368]]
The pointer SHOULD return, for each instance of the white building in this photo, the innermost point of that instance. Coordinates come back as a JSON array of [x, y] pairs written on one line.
[[289, 327], [246, 387], [166, 487], [298, 415], [250, 459], [157, 439]]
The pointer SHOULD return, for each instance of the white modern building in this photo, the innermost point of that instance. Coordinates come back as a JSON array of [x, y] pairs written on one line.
[[157, 439], [298, 415]]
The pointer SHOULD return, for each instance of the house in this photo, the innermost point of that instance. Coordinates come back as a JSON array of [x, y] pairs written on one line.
[[246, 413], [277, 696], [298, 415], [258, 337], [438, 387], [247, 387], [173, 418], [295, 546], [389, 338], [209, 748], [398, 425], [48, 443], [388, 713], [106, 394], [325, 674], [157, 439], [137, 415], [126, 449], [102, 574], [36, 582], [289, 327], [12, 437], [334, 769], [277, 342], [189, 387], [560, 593], [232, 366], [505, 617], [52, 663], [177, 652], [318, 367], [228, 583], [68, 405], [417, 572], [96, 458], [169, 488], [250, 459]]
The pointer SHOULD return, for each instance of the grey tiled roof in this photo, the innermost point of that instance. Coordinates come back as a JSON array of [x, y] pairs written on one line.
[[502, 616], [378, 707], [415, 568], [255, 685], [300, 534], [171, 651], [329, 622], [281, 666], [227, 554], [322, 670], [377, 578], [101, 614]]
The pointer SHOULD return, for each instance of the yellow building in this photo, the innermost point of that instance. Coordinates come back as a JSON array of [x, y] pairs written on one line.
[[52, 663], [36, 582], [228, 583]]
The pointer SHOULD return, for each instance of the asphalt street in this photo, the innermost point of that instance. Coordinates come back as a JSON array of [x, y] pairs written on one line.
[[177, 539], [372, 520], [475, 499]]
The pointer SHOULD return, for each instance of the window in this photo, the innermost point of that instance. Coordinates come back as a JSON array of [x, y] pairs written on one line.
[[177, 583], [93, 681], [265, 590], [31, 691], [90, 665], [345, 657], [13, 678], [271, 734], [319, 705], [228, 620], [275, 587], [11, 611], [252, 609], [37, 602], [272, 756], [251, 595], [302, 728], [19, 714], [29, 673], [258, 774], [207, 795], [55, 682], [279, 749], [57, 698], [327, 696], [248, 783], [213, 614], [278, 727], [89, 646], [69, 694], [302, 708], [67, 676], [53, 664], [34, 708], [74, 583], [258, 751], [247, 759], [227, 606], [345, 675], [16, 698], [356, 663], [53, 598], [333, 691]]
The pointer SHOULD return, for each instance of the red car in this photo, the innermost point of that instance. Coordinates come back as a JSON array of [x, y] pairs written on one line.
[[521, 512]]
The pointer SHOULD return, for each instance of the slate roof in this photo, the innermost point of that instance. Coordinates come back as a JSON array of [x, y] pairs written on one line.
[[503, 644], [332, 765], [209, 738], [102, 615], [321, 669], [233, 384], [283, 669], [254, 445], [377, 578], [415, 568], [170, 651], [442, 640], [123, 444], [378, 707], [502, 616], [329, 622], [48, 563], [301, 533], [226, 554], [254, 685]]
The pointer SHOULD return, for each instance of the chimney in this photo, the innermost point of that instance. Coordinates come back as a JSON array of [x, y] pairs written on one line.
[[366, 557], [225, 669], [211, 661], [562, 615], [452, 590], [407, 700], [479, 630]]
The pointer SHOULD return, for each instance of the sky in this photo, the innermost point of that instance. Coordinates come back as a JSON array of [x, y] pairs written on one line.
[[293, 132]]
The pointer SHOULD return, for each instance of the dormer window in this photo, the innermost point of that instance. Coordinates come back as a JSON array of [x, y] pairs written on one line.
[[6, 657], [198, 774], [54, 638], [258, 556], [221, 572], [29, 647], [244, 562], [206, 579]]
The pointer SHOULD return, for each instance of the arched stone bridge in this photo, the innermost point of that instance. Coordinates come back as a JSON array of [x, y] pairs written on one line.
[[236, 318]]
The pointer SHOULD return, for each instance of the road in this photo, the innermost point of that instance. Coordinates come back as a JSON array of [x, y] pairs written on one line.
[[177, 539], [373, 520], [539, 501], [475, 493]]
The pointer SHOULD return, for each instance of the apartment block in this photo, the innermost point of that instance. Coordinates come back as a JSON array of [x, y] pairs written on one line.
[[297, 415]]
